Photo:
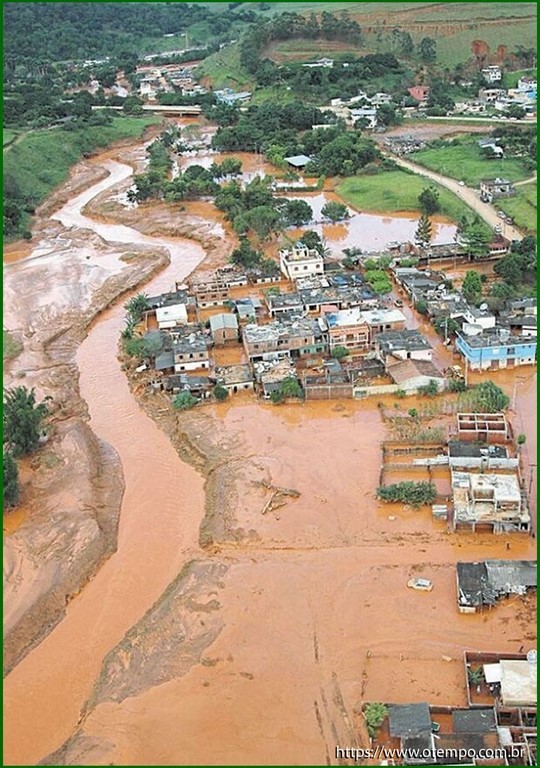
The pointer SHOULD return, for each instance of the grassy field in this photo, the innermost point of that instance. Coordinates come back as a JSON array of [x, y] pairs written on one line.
[[463, 160], [41, 160], [522, 208], [9, 136], [396, 191], [224, 69], [10, 346]]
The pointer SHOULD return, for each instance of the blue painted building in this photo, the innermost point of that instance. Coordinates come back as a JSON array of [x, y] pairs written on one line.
[[490, 351]]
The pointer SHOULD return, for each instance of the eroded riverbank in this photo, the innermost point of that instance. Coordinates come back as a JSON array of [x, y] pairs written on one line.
[[254, 638]]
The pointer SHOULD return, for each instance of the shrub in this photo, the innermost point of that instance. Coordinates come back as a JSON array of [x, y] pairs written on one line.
[[374, 714], [23, 420], [338, 353], [430, 389], [220, 393], [456, 385], [408, 492], [10, 488], [184, 400], [400, 393]]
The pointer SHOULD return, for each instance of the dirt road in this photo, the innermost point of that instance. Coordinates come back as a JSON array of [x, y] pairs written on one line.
[[468, 195]]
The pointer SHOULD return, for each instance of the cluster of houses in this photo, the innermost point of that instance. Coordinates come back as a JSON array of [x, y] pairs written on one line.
[[497, 727], [325, 327], [168, 78], [331, 328], [498, 723], [486, 340], [492, 98]]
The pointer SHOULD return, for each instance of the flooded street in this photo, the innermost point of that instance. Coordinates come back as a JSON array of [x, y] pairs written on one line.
[[260, 646]]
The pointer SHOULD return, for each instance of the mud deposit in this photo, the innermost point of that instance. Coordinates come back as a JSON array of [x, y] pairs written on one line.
[[257, 595]]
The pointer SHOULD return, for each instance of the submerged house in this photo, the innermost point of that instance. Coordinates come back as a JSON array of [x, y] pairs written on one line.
[[483, 584]]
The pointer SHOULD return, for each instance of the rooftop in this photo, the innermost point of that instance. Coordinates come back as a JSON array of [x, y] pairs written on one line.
[[298, 161], [501, 339], [300, 252], [383, 316], [278, 300], [234, 374], [409, 719], [410, 369], [411, 340], [474, 720], [222, 321], [301, 326], [476, 450], [483, 583]]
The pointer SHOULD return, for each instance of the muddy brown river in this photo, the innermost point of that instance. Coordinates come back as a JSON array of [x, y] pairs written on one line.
[[313, 615]]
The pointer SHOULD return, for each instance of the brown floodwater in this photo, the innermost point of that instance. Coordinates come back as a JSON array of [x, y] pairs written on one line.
[[160, 516], [316, 608]]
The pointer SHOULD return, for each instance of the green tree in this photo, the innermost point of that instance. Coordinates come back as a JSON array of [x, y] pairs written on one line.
[[424, 231], [184, 400], [23, 420], [220, 393], [335, 211], [137, 306], [487, 397], [388, 115], [429, 201], [421, 306], [338, 353], [427, 49], [297, 213], [10, 487], [472, 286], [374, 714], [475, 239], [290, 387]]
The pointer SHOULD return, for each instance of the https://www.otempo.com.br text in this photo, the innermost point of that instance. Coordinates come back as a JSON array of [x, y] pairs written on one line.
[[386, 753]]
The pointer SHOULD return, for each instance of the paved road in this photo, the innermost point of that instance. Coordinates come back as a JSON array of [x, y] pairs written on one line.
[[468, 195]]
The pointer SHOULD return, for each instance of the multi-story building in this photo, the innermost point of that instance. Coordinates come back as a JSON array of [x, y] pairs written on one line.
[[300, 261], [489, 351]]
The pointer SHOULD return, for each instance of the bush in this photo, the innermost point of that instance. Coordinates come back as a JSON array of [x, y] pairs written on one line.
[[456, 385], [220, 393], [374, 714], [10, 488], [184, 401], [408, 492], [430, 389], [338, 353], [400, 393]]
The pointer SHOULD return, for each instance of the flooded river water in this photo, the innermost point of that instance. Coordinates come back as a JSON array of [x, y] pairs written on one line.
[[316, 617]]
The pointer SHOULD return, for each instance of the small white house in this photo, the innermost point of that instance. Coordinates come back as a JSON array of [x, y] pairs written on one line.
[[492, 74], [169, 317]]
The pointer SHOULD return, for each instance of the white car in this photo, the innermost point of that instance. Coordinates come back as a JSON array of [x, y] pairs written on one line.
[[424, 585], [461, 183]]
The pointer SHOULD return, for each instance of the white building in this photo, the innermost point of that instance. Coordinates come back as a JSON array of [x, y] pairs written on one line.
[[365, 113], [492, 74], [169, 317], [300, 261]]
